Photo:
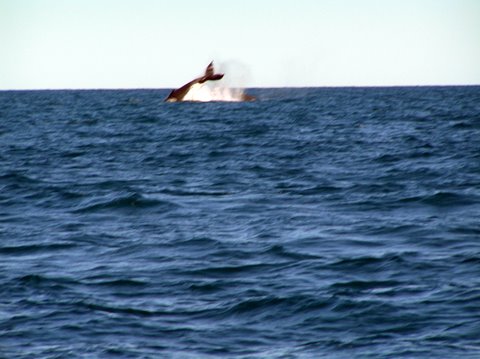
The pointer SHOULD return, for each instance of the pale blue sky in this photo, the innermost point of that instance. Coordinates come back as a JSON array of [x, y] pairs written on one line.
[[159, 43]]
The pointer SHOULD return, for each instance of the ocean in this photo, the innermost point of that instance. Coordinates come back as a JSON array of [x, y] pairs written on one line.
[[311, 223]]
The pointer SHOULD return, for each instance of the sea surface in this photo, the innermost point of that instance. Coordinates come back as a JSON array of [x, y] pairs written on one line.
[[312, 223]]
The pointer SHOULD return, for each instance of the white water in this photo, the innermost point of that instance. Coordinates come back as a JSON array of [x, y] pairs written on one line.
[[206, 92]]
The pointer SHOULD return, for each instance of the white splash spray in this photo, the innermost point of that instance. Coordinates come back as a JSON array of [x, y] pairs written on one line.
[[229, 89], [218, 92]]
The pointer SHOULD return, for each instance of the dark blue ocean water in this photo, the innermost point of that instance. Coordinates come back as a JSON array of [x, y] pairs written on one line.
[[313, 223]]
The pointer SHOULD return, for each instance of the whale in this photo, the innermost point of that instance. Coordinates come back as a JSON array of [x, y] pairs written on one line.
[[180, 94]]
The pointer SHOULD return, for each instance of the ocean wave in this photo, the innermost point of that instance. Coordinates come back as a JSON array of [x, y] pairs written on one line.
[[442, 199], [118, 283], [369, 263], [316, 222], [228, 270], [281, 252], [132, 201], [35, 248], [41, 281], [119, 310], [195, 193], [14, 177]]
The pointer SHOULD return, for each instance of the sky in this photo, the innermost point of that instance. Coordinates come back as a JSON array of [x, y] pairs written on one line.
[[58, 44]]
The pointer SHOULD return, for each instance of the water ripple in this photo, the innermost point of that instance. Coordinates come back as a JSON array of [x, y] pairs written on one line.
[[314, 222]]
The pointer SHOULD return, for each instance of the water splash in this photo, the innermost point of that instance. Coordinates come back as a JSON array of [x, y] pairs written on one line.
[[229, 89], [218, 92]]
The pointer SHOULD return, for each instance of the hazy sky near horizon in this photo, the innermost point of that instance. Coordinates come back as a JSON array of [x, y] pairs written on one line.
[[159, 43]]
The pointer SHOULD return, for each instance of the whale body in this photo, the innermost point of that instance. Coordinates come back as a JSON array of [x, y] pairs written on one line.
[[180, 94]]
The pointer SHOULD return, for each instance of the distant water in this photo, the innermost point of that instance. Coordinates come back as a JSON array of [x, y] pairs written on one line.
[[313, 223]]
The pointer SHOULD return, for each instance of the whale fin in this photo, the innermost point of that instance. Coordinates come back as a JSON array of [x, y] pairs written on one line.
[[209, 70], [210, 74], [180, 93]]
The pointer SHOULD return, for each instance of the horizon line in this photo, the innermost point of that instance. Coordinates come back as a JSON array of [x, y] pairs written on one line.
[[233, 87]]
